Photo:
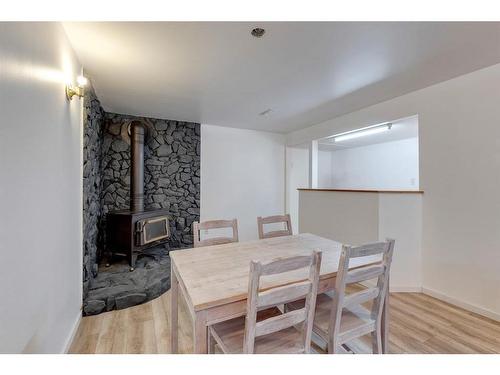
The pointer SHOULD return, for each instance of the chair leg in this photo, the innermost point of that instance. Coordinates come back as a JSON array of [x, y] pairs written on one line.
[[377, 341], [211, 343], [338, 349], [334, 348]]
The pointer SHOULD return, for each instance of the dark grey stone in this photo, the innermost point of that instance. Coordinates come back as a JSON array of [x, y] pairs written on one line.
[[131, 299], [169, 139], [164, 150], [183, 205], [122, 193], [178, 135], [120, 202], [193, 210], [185, 158], [161, 125], [163, 182], [115, 128], [125, 180], [157, 198], [93, 307], [181, 223], [119, 146], [172, 168], [153, 162], [171, 127], [153, 143]]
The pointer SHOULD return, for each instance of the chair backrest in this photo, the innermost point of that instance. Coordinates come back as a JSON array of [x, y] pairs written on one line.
[[271, 220], [379, 270], [214, 224], [258, 300]]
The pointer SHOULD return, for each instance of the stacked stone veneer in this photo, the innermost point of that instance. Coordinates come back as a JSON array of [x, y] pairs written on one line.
[[171, 171], [94, 117], [171, 181]]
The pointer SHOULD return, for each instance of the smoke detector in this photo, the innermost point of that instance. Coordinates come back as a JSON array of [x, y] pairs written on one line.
[[258, 32]]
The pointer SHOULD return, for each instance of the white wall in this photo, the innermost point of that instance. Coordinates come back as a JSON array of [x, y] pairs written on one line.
[[325, 169], [242, 176], [388, 165], [400, 218], [346, 217], [359, 217], [40, 190], [297, 176], [459, 141]]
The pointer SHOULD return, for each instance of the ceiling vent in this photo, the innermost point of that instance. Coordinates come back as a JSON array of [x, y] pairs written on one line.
[[258, 32]]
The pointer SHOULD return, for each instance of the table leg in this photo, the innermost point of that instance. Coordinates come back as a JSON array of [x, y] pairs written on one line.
[[385, 323], [174, 296], [200, 333]]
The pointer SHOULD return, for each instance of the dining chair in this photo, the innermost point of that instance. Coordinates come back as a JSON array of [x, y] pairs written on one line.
[[265, 329], [214, 224], [261, 221], [341, 318]]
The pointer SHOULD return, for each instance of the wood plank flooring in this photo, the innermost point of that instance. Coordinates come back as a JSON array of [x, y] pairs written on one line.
[[419, 324]]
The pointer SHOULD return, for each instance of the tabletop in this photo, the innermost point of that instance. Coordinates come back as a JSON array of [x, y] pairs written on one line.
[[217, 275]]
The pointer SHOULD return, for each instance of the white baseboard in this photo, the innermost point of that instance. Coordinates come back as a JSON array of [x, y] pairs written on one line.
[[441, 296], [72, 333], [464, 305], [395, 288], [405, 289]]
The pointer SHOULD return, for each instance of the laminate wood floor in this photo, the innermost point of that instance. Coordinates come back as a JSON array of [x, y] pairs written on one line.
[[418, 324]]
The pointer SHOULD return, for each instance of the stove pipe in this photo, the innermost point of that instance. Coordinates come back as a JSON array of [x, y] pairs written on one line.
[[137, 136]]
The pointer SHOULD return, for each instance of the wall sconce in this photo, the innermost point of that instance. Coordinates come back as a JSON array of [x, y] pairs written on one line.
[[79, 90]]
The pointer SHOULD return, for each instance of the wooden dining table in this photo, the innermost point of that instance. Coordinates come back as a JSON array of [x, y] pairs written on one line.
[[213, 280]]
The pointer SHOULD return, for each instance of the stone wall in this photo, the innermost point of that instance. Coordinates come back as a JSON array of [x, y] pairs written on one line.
[[171, 173], [93, 126]]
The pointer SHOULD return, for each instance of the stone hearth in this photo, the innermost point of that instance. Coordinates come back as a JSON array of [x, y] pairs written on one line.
[[115, 287]]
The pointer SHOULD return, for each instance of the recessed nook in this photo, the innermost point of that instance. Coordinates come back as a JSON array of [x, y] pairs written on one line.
[[169, 165]]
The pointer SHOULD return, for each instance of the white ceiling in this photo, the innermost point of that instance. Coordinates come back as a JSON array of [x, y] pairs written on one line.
[[400, 129], [306, 72]]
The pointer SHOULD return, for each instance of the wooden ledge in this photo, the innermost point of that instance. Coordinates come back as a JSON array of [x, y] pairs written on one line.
[[367, 191]]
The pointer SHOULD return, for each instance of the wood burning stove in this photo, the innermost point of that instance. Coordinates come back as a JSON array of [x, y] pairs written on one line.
[[130, 231], [149, 231]]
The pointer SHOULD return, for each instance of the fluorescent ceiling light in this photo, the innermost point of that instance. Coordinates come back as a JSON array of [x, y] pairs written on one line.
[[361, 132]]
